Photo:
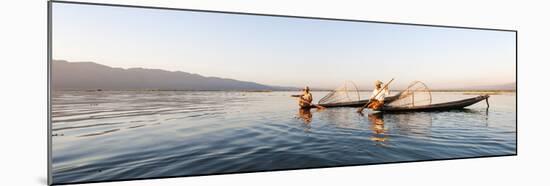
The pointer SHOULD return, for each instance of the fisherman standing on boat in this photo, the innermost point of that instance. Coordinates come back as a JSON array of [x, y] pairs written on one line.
[[305, 98], [378, 95]]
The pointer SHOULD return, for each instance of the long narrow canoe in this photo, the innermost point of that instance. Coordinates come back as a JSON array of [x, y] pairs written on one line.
[[453, 105], [359, 103], [460, 104]]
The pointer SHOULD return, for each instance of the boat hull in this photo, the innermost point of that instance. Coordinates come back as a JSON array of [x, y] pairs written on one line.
[[359, 103], [453, 105]]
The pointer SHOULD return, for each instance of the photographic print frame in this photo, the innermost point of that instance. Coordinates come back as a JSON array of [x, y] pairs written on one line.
[[51, 59]]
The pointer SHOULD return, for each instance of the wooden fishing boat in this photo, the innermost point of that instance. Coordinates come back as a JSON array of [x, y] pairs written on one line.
[[359, 103], [416, 97], [453, 105]]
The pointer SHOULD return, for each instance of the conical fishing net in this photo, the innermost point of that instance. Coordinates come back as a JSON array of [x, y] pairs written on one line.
[[416, 94], [345, 93]]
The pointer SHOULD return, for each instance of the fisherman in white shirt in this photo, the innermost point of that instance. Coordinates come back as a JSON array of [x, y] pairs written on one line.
[[377, 99]]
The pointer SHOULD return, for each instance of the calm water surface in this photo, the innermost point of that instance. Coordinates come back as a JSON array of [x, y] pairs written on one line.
[[124, 135]]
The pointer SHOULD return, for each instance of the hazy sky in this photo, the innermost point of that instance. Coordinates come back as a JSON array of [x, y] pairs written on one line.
[[282, 51]]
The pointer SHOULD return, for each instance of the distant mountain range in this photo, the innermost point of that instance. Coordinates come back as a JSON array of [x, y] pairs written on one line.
[[92, 76]]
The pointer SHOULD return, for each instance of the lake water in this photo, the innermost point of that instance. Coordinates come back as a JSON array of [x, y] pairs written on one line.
[[108, 135]]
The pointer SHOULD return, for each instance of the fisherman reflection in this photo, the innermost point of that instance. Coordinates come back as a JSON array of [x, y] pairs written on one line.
[[305, 115], [377, 126]]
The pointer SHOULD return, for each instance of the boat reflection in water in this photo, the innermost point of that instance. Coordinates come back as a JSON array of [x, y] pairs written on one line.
[[343, 118], [416, 124], [377, 127]]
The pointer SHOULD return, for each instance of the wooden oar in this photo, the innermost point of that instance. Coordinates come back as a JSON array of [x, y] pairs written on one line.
[[317, 106], [360, 110]]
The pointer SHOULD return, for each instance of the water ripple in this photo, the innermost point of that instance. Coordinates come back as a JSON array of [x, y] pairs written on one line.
[[124, 135]]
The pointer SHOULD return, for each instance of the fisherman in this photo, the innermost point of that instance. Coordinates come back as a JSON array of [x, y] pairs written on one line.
[[305, 98], [378, 95]]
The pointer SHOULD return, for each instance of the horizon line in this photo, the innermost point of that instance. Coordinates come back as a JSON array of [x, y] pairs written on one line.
[[270, 85]]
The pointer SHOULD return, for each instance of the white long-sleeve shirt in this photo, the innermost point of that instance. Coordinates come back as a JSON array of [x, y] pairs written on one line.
[[381, 96]]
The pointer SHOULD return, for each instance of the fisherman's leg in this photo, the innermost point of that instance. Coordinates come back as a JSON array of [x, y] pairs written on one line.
[[376, 104], [372, 104]]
